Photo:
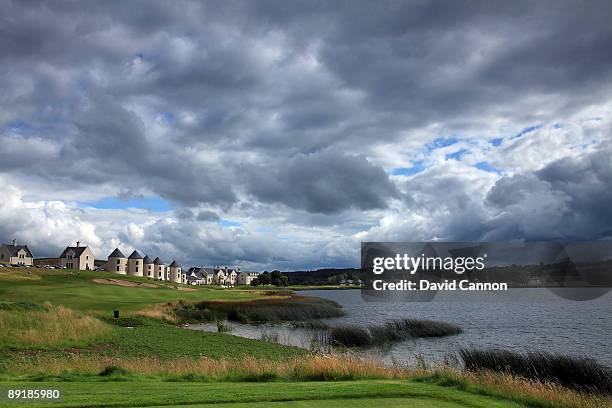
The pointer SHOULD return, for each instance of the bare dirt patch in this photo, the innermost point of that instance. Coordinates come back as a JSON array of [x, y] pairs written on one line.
[[120, 282], [187, 289]]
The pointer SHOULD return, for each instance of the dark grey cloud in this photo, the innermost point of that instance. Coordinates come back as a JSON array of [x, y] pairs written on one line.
[[325, 182], [207, 215], [567, 199]]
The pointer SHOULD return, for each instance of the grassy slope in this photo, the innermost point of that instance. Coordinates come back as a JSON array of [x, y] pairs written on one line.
[[82, 293], [152, 338], [310, 394]]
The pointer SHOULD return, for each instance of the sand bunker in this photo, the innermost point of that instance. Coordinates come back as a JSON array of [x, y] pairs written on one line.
[[120, 282]]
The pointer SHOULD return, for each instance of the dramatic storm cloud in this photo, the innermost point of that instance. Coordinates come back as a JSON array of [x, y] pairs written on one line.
[[274, 134]]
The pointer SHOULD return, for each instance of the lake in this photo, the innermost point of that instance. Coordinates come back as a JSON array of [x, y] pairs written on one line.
[[519, 320]]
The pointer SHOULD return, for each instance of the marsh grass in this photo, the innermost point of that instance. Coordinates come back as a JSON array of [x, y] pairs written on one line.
[[572, 372], [294, 308], [531, 393], [160, 312], [26, 325], [311, 324], [315, 367], [391, 331]]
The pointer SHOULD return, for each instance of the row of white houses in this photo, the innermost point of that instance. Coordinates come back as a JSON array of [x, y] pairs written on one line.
[[82, 258], [137, 265]]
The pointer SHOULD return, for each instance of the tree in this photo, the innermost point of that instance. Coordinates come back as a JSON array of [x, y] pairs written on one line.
[[262, 279], [276, 278]]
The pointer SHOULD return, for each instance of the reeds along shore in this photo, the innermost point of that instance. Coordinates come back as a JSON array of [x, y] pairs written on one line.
[[391, 331], [578, 373], [294, 308], [314, 367]]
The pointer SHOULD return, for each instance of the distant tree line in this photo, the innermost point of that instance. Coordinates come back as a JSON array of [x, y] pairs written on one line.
[[275, 278]]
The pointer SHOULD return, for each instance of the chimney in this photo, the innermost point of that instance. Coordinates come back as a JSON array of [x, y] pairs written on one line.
[[78, 242], [14, 242]]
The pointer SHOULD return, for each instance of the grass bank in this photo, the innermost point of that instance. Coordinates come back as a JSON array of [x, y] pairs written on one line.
[[111, 387], [300, 394], [288, 308]]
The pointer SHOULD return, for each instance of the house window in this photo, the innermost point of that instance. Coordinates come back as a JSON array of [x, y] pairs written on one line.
[[117, 268], [118, 261], [137, 268], [87, 257]]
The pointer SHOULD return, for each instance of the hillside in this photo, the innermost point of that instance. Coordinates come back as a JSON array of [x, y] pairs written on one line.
[[102, 291], [318, 276]]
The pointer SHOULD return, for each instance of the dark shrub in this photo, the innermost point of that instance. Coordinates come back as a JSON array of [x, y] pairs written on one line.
[[112, 370]]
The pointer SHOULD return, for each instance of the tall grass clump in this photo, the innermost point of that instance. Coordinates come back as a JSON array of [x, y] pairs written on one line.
[[572, 372], [391, 331], [295, 308], [423, 328], [47, 326]]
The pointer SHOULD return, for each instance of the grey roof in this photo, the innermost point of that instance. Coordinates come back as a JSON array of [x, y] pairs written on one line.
[[135, 255], [147, 260], [158, 261], [200, 271], [13, 249], [116, 254], [195, 274], [174, 265], [78, 251]]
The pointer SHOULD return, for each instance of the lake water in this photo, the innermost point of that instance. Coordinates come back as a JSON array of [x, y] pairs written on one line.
[[519, 319]]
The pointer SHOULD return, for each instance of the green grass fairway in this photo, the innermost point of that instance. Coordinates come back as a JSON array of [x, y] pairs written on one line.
[[354, 394], [82, 293]]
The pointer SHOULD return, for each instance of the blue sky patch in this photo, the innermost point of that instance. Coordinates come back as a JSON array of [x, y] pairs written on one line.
[[485, 166], [527, 130], [228, 223], [442, 142], [155, 204], [496, 141], [456, 155], [408, 171]]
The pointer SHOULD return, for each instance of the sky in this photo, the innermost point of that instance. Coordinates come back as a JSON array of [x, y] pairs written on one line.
[[275, 134]]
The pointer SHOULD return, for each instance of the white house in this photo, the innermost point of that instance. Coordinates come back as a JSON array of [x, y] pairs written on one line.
[[16, 254], [117, 262], [175, 273], [230, 276], [134, 263], [160, 269], [195, 276], [148, 267], [77, 257], [218, 276], [245, 278]]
